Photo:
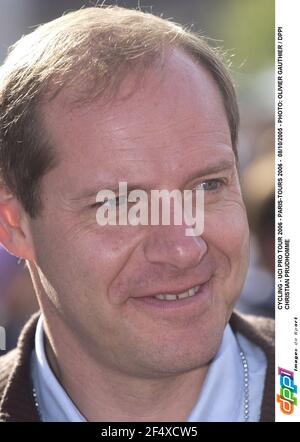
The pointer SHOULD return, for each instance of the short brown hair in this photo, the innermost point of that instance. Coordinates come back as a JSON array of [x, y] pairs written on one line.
[[98, 45]]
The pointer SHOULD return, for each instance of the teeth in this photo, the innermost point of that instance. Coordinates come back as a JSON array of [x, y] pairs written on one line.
[[169, 297]]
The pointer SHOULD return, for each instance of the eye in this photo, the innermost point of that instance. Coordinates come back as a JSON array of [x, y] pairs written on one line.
[[114, 202], [211, 185]]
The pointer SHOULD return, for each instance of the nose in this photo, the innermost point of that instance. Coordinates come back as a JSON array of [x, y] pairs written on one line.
[[169, 245]]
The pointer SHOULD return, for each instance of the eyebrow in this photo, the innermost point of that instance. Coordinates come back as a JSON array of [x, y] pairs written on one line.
[[91, 192]]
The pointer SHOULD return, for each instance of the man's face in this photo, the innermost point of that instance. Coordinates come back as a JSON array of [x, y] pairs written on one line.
[[172, 133]]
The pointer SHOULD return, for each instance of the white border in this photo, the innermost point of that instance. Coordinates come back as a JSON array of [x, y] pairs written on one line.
[[288, 17]]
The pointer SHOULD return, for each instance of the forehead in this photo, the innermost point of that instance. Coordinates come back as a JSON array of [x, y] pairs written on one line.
[[170, 116]]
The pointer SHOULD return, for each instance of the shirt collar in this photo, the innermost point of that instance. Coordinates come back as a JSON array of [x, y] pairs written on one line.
[[54, 403], [221, 398]]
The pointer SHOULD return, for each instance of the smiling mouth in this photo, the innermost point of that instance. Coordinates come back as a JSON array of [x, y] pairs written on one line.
[[175, 297], [172, 303]]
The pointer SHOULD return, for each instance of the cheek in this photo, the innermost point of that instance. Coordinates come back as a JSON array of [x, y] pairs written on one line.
[[105, 255], [226, 231], [227, 235], [74, 257]]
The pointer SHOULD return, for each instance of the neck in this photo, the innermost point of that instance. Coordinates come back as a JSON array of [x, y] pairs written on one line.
[[104, 394]]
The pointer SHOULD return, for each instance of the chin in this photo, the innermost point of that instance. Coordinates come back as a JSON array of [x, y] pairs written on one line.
[[182, 352], [182, 361]]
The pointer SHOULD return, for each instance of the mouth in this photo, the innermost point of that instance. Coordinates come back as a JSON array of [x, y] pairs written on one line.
[[176, 296], [191, 298]]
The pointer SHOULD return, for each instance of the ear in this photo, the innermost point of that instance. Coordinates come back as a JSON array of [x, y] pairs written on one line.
[[15, 233]]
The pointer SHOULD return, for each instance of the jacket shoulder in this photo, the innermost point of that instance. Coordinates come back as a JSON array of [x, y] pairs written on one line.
[[16, 398], [7, 364]]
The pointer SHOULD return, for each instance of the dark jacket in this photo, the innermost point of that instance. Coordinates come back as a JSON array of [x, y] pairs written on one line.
[[16, 398]]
